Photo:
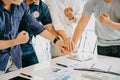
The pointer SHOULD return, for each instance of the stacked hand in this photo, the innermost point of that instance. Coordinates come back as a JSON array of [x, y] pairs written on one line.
[[70, 45], [66, 47]]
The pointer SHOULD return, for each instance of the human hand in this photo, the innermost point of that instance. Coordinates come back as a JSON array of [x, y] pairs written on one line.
[[63, 47], [70, 45], [22, 37], [66, 51], [104, 18]]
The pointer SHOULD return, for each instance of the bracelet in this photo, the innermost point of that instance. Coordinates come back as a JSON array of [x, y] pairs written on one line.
[[56, 39]]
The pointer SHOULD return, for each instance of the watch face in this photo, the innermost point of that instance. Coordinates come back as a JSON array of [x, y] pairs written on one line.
[[56, 39]]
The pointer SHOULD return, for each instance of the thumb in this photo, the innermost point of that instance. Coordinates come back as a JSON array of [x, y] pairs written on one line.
[[71, 54], [105, 14]]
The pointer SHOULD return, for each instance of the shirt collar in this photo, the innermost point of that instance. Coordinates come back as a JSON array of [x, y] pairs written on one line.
[[38, 4], [2, 7]]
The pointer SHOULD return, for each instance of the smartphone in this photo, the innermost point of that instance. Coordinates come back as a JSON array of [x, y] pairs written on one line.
[[19, 78]]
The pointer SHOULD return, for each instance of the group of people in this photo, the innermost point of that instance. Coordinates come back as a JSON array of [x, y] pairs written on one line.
[[18, 25]]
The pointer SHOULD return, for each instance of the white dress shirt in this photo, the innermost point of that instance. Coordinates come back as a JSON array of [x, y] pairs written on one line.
[[59, 20]]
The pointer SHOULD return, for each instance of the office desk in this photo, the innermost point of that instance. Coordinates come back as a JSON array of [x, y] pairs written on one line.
[[27, 70], [44, 69], [114, 62]]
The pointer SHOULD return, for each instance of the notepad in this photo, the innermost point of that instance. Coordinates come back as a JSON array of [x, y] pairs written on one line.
[[101, 66]]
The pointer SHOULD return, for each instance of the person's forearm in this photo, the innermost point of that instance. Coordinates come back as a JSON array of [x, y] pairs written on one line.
[[7, 43], [80, 28], [21, 38], [63, 34], [48, 35], [78, 33], [51, 29], [114, 25]]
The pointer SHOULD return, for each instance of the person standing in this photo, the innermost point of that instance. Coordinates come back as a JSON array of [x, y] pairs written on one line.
[[65, 14], [12, 13], [107, 21], [41, 12]]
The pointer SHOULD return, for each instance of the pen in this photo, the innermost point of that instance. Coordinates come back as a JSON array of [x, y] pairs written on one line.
[[85, 69], [93, 70], [26, 75], [61, 65]]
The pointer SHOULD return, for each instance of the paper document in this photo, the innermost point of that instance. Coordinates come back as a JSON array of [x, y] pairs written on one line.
[[54, 73], [101, 66]]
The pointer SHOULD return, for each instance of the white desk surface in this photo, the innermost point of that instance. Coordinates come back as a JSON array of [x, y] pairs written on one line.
[[41, 68], [114, 62]]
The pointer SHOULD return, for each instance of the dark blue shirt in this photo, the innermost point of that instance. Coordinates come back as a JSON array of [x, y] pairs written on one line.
[[44, 17], [44, 14], [9, 25]]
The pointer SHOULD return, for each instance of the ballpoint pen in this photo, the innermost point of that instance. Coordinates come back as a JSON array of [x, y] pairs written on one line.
[[24, 74], [61, 65]]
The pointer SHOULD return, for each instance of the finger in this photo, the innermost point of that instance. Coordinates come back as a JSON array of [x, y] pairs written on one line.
[[63, 47], [62, 52], [69, 46], [24, 33], [66, 10], [72, 46], [66, 44], [71, 55], [105, 14]]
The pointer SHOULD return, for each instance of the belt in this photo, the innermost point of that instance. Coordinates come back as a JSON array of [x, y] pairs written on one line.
[[109, 40]]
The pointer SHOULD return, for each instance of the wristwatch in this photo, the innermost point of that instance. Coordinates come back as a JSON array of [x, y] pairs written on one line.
[[56, 39]]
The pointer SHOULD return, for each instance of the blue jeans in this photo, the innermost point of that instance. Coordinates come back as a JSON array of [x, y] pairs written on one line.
[[113, 51], [29, 59], [29, 56]]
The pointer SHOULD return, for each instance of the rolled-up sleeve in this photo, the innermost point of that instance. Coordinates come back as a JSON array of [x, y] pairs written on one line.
[[46, 15], [29, 21], [78, 9], [89, 7]]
